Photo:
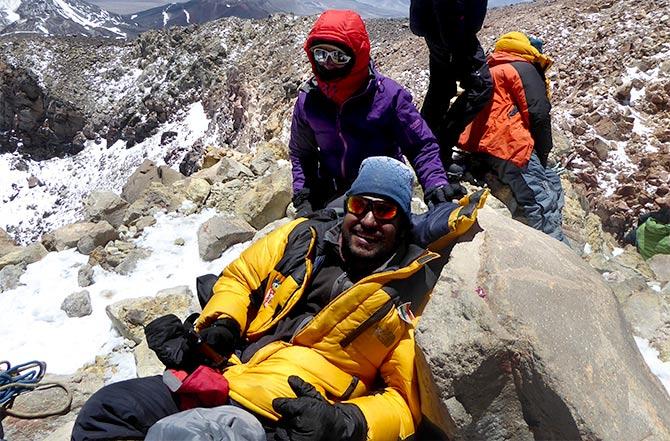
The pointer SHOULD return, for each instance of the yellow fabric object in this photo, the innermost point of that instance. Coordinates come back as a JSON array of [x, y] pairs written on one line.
[[359, 337], [517, 43], [461, 219]]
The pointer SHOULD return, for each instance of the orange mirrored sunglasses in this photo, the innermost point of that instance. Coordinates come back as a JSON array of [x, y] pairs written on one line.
[[382, 210]]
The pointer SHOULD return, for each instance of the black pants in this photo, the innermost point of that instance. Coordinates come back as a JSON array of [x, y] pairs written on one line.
[[124, 410], [466, 64]]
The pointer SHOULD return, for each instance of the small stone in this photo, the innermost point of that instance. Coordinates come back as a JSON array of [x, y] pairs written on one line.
[[10, 275], [144, 222], [85, 276], [179, 242], [77, 304], [128, 264]]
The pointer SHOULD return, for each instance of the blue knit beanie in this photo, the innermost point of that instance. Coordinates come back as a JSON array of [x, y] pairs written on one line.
[[537, 43], [385, 177]]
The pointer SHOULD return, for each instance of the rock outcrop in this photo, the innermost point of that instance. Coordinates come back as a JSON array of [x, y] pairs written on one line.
[[129, 316], [219, 233], [85, 236], [34, 122], [24, 255], [107, 206], [526, 342]]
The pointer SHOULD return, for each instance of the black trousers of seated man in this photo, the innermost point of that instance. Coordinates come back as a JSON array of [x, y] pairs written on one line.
[[125, 410]]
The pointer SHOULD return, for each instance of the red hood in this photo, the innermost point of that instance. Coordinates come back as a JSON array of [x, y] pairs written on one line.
[[344, 28]]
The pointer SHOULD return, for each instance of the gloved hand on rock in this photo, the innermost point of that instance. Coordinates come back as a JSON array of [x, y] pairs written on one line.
[[301, 203], [444, 193]]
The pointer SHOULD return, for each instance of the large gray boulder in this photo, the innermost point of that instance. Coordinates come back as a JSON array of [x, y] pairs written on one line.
[[146, 174], [156, 197], [225, 170], [24, 255], [69, 236], [526, 342], [10, 277], [142, 177], [107, 206], [131, 315], [77, 304], [220, 233], [267, 200]]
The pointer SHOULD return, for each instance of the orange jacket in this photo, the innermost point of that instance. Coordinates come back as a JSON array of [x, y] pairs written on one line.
[[517, 120]]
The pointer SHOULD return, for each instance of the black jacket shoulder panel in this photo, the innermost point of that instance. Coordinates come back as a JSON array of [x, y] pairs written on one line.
[[539, 108]]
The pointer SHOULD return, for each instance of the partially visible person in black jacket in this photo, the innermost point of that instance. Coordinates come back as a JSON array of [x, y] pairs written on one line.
[[450, 29]]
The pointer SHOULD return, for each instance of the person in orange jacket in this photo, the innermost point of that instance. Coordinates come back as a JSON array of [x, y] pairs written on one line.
[[513, 132]]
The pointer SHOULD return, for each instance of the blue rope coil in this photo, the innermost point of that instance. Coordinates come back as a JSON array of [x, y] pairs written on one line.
[[18, 379]]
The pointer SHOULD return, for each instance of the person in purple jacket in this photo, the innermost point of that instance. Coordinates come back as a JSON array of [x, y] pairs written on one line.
[[348, 112]]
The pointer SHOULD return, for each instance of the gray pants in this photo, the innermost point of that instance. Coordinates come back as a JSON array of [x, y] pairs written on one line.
[[538, 192], [223, 423]]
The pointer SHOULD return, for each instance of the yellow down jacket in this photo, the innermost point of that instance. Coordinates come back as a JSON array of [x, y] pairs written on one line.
[[358, 349]]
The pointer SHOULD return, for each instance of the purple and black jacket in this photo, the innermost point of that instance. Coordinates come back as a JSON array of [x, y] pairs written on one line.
[[328, 144]]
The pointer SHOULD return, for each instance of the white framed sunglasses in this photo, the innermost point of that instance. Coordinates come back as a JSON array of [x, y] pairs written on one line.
[[337, 56]]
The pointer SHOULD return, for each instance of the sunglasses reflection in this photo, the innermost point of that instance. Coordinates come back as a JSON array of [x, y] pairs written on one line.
[[381, 210]]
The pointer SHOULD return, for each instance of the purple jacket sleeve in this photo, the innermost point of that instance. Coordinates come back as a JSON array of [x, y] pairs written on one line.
[[418, 143], [303, 149]]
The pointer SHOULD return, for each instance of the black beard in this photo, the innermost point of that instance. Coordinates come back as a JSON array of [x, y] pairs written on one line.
[[361, 266]]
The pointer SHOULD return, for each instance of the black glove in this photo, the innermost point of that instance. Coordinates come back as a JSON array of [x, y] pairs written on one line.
[[301, 203], [223, 336], [168, 338], [309, 417], [444, 193]]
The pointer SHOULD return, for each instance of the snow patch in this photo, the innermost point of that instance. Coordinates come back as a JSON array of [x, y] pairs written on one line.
[[67, 181], [68, 12], [33, 326], [9, 7], [651, 356]]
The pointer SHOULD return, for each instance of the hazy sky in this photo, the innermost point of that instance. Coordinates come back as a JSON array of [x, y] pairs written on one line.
[[128, 6]]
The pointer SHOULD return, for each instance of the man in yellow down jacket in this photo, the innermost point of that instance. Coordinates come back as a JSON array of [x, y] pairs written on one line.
[[320, 315]]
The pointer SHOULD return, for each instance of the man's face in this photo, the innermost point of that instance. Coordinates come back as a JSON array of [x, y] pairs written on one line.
[[368, 239]]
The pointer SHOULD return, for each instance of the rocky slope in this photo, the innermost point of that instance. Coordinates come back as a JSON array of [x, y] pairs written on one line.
[[503, 365], [219, 96], [611, 96]]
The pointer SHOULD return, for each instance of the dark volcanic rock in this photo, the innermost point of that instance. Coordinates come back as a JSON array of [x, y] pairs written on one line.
[[43, 126]]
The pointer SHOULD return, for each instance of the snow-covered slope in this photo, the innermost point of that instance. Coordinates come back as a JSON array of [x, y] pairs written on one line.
[[200, 11], [8, 11], [62, 17]]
